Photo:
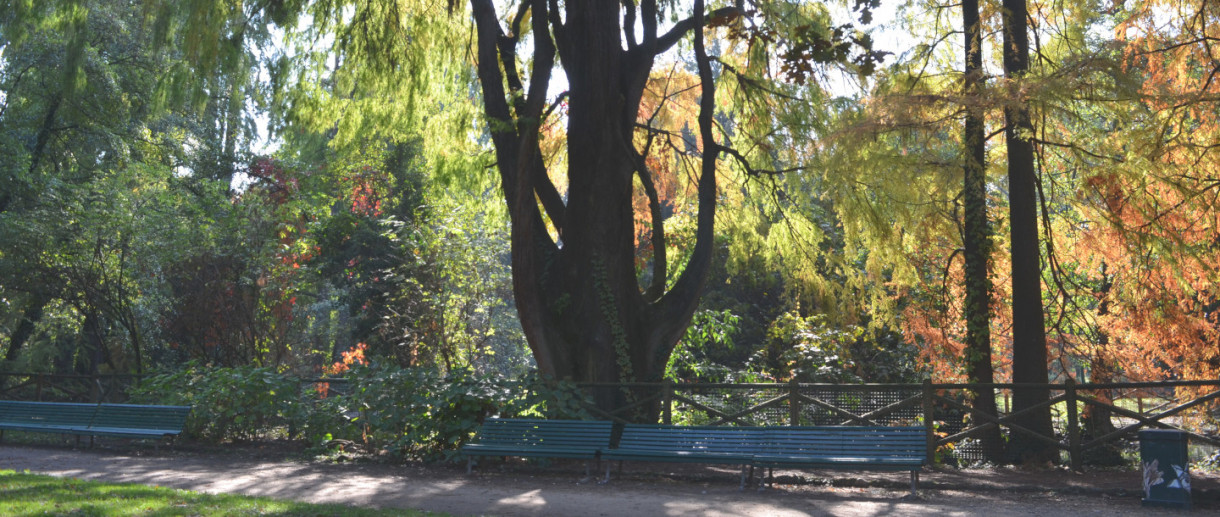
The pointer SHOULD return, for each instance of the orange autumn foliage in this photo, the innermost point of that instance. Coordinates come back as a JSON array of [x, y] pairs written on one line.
[[355, 356]]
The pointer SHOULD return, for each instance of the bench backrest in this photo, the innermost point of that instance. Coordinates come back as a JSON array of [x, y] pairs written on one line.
[[845, 441], [593, 434], [132, 416], [699, 439], [46, 413]]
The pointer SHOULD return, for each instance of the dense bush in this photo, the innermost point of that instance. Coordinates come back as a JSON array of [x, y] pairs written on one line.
[[408, 412], [239, 403]]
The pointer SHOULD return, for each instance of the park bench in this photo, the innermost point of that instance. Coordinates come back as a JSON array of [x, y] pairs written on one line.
[[119, 420], [836, 447], [529, 438], [843, 447], [685, 444]]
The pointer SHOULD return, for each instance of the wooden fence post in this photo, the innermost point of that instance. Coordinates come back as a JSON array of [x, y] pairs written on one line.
[[1069, 391], [794, 402], [928, 424]]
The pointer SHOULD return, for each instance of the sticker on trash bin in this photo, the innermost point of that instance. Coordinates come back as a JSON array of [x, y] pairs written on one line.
[[1182, 480], [1154, 477]]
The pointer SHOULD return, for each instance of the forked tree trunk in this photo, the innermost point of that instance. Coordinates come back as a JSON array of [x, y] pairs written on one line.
[[578, 297]]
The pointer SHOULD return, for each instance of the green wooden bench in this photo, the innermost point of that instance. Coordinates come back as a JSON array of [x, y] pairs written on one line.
[[843, 447], [529, 438], [685, 444], [45, 417], [119, 420]]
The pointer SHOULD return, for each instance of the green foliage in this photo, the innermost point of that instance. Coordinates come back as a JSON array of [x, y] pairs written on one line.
[[809, 350], [238, 403], [425, 414], [709, 334], [418, 413], [452, 304]]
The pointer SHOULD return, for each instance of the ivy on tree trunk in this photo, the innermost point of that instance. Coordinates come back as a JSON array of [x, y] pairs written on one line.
[[976, 236]]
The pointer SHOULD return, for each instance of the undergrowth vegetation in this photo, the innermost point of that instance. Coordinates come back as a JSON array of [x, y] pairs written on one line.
[[411, 413]]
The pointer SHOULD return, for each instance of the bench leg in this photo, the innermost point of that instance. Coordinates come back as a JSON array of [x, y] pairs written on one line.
[[607, 478], [743, 478], [469, 465], [914, 481]]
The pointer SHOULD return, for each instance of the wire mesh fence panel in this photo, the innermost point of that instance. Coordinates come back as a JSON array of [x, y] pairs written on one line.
[[748, 405], [726, 405], [950, 417], [849, 405]]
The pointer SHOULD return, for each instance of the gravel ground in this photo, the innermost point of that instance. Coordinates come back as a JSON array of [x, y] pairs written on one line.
[[523, 488]]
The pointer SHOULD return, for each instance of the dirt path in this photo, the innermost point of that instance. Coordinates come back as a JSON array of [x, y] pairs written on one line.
[[526, 490]]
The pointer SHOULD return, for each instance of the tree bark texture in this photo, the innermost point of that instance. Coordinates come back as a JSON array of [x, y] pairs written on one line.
[[976, 237], [577, 292], [1029, 357]]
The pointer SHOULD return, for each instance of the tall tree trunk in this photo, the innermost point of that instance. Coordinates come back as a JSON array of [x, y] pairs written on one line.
[[95, 344], [578, 296], [976, 238], [25, 329], [1029, 357]]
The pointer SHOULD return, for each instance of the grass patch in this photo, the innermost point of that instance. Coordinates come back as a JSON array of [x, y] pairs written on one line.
[[24, 494]]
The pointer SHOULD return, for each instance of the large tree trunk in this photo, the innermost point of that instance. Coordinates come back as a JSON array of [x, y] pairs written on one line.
[[1029, 358], [976, 238], [578, 297], [25, 328]]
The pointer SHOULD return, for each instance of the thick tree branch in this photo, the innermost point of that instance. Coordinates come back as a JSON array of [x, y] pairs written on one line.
[[679, 304], [508, 57], [530, 122], [660, 266], [629, 24], [495, 107], [559, 31], [527, 241], [679, 30], [649, 20]]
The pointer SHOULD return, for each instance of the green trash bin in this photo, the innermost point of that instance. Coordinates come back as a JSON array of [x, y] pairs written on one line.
[[1165, 465]]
